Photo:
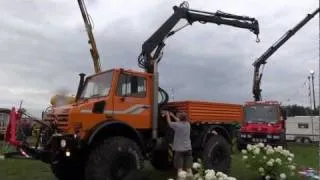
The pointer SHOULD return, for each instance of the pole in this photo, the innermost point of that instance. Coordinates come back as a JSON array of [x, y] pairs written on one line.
[[311, 115], [319, 114], [314, 99], [309, 93]]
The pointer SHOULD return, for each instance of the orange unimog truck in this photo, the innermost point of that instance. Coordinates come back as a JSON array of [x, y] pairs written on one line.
[[115, 123]]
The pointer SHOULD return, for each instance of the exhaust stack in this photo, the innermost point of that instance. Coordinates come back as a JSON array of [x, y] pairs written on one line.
[[80, 86]]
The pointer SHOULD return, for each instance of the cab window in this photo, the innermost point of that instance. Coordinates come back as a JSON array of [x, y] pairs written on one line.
[[131, 85]]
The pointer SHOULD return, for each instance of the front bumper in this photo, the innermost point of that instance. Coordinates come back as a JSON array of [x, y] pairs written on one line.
[[253, 138], [62, 148]]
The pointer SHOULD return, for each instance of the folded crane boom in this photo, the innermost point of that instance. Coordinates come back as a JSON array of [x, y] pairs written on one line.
[[262, 60]]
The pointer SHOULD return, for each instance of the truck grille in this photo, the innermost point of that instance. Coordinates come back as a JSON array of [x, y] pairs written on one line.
[[62, 120]]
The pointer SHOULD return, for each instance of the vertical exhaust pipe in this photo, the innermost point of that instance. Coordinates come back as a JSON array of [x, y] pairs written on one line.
[[80, 86]]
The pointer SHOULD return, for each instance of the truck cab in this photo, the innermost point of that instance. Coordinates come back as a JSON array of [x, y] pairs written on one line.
[[264, 122], [115, 94]]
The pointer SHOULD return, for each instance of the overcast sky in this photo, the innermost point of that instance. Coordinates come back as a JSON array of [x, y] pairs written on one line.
[[44, 48]]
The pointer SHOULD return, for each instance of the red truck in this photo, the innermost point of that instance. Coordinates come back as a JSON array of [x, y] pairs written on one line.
[[264, 121]]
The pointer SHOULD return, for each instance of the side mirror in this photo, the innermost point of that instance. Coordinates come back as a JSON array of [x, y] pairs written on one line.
[[284, 114]]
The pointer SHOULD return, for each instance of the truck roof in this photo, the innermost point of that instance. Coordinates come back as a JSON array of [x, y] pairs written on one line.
[[262, 102]]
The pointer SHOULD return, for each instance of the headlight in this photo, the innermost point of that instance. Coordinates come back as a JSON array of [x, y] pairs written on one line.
[[276, 137], [249, 136], [68, 154], [243, 135], [63, 143], [269, 136]]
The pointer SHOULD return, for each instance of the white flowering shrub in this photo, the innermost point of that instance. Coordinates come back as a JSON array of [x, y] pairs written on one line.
[[199, 173], [270, 163]]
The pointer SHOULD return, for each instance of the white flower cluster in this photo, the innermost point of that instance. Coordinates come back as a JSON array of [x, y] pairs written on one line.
[[211, 175], [202, 174], [282, 176], [268, 160]]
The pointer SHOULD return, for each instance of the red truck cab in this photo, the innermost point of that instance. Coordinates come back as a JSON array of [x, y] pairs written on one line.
[[264, 121]]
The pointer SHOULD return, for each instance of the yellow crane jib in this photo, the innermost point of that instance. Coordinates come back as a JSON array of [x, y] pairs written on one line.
[[94, 51]]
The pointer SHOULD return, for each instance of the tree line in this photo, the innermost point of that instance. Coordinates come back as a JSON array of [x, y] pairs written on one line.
[[298, 110]]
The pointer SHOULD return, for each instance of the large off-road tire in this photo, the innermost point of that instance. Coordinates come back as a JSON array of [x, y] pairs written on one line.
[[67, 171], [113, 159], [217, 154], [160, 160]]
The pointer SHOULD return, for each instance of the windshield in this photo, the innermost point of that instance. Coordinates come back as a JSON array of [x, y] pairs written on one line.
[[261, 113], [97, 86]]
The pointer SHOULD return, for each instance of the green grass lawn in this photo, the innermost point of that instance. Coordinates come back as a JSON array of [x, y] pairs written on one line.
[[16, 169], [305, 156]]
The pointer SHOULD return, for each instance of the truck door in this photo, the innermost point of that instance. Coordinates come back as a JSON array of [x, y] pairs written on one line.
[[131, 102]]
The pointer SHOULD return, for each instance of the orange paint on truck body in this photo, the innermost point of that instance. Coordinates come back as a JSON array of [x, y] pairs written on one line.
[[210, 112]]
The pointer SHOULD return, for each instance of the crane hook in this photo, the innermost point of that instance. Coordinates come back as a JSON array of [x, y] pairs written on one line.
[[257, 39]]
